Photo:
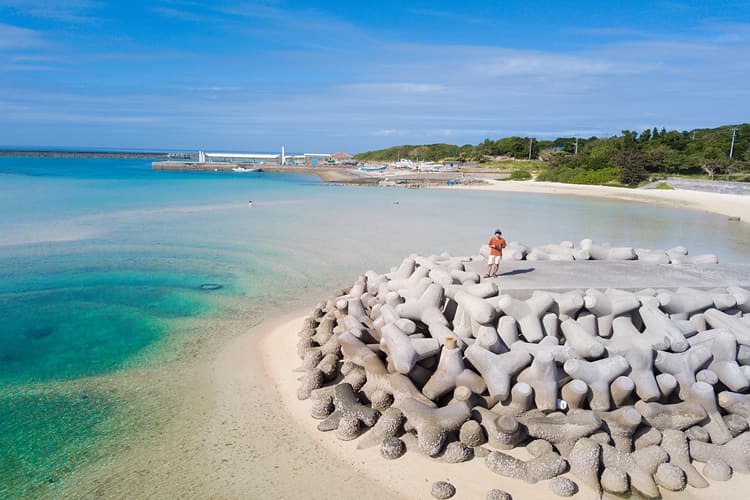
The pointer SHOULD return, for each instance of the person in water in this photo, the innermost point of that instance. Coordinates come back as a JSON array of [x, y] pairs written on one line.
[[250, 203], [497, 243]]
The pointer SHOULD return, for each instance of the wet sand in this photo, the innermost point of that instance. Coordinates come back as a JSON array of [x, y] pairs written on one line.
[[232, 438]]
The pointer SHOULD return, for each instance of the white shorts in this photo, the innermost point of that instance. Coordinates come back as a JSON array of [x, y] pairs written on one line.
[[494, 259]]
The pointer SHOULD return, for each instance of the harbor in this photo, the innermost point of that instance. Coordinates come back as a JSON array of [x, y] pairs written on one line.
[[225, 161], [337, 168]]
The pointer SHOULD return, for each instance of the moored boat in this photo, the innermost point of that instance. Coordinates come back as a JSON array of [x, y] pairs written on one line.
[[373, 168]]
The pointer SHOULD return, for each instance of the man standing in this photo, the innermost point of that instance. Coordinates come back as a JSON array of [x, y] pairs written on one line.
[[497, 243]]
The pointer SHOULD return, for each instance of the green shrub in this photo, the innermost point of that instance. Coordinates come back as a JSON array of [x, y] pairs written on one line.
[[520, 175], [663, 185], [601, 176], [580, 175]]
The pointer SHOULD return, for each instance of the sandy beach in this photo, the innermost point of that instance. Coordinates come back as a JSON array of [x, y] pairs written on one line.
[[731, 205], [412, 475], [231, 439]]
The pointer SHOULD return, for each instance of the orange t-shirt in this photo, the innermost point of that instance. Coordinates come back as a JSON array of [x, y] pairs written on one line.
[[499, 243]]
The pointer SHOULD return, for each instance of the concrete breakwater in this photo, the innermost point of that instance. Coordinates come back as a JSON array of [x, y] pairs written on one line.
[[326, 173], [194, 166], [92, 154], [625, 390], [343, 175]]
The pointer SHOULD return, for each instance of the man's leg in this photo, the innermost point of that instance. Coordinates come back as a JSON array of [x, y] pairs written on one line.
[[489, 268]]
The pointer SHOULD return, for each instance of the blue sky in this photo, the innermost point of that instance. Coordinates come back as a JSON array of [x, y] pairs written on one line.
[[353, 76]]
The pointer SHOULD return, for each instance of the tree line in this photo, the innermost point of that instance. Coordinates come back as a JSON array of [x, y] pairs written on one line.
[[628, 158]]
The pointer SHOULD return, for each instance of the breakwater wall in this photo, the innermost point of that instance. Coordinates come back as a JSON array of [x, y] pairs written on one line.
[[88, 154]]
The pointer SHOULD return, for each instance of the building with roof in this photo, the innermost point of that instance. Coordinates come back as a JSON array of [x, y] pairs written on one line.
[[342, 158]]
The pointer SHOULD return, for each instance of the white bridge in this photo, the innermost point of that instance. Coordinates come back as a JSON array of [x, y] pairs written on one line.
[[282, 159]]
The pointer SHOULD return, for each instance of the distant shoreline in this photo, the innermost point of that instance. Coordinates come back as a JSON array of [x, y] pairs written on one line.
[[85, 154], [730, 205]]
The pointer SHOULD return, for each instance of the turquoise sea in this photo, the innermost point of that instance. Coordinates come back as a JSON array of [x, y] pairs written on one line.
[[102, 263]]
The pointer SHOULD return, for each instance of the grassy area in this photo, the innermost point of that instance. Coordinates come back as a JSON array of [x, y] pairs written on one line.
[[513, 165], [520, 175], [519, 169], [700, 177]]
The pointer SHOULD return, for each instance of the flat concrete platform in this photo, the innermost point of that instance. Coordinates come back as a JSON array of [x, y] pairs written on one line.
[[194, 166], [520, 278]]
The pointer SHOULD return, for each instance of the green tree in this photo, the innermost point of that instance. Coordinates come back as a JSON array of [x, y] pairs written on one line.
[[661, 151], [629, 139], [632, 165], [713, 161], [601, 154]]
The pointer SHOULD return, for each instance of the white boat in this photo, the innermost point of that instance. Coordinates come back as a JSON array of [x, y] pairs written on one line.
[[448, 168], [378, 168], [428, 166], [243, 169], [404, 163], [390, 183]]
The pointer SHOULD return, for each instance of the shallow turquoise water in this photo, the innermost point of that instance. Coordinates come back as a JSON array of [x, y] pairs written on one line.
[[102, 262], [46, 436]]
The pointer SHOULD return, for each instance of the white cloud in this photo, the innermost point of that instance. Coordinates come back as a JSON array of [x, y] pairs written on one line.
[[609, 32], [14, 37], [396, 87], [454, 17], [38, 116], [536, 64], [728, 33], [390, 133], [70, 11], [338, 91]]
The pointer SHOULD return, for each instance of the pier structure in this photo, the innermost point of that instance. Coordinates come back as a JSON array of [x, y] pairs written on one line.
[[307, 159], [222, 160]]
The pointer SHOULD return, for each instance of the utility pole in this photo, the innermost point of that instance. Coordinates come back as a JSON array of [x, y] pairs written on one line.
[[531, 141], [576, 145], [731, 148]]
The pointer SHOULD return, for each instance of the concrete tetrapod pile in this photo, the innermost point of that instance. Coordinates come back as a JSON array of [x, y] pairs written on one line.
[[588, 250], [626, 391]]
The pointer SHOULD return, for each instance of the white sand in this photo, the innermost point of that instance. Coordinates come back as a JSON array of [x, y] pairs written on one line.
[[732, 205], [412, 475]]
